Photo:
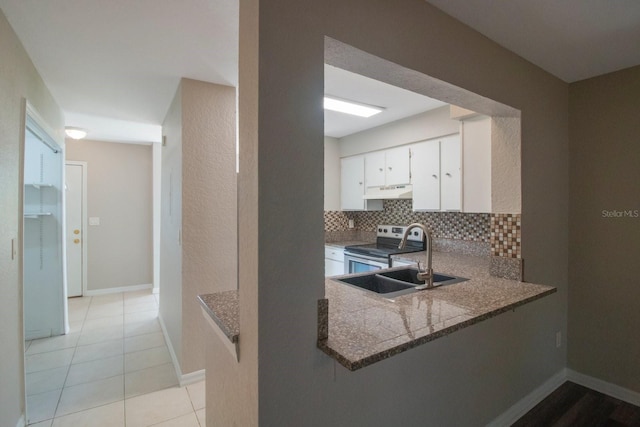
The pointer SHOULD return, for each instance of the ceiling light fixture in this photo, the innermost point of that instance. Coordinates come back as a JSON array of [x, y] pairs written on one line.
[[350, 107], [74, 132]]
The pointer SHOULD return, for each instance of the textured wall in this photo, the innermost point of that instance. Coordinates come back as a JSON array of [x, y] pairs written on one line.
[[484, 369], [604, 296], [18, 80], [331, 174], [506, 194], [119, 192], [209, 207]]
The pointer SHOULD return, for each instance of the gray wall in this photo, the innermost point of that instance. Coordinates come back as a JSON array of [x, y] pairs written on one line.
[[604, 308], [119, 192], [18, 80], [283, 379]]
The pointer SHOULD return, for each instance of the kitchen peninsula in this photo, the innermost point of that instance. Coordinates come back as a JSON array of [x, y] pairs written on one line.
[[362, 328]]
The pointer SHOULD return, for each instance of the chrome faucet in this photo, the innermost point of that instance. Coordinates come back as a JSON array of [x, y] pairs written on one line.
[[427, 273]]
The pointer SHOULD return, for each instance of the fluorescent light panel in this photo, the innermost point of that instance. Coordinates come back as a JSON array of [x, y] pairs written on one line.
[[349, 107]]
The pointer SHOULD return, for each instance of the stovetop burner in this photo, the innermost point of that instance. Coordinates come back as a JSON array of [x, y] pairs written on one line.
[[389, 237]]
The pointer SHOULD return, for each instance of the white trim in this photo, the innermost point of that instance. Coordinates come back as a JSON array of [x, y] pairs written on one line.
[[528, 402], [604, 387], [192, 377], [183, 379], [132, 288], [21, 422], [172, 353]]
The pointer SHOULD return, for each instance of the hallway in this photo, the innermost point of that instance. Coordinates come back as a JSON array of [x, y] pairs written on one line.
[[112, 369]]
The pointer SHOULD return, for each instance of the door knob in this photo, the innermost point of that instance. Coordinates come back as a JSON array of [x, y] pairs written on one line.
[[76, 231], [76, 241]]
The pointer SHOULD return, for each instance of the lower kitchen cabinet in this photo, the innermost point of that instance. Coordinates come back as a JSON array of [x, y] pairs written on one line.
[[333, 261]]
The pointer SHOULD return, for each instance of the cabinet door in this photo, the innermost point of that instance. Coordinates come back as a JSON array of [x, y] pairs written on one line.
[[374, 169], [352, 183], [398, 166], [450, 174], [333, 267], [425, 175]]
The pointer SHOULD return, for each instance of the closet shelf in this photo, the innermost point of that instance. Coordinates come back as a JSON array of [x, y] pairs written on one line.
[[38, 185], [36, 215]]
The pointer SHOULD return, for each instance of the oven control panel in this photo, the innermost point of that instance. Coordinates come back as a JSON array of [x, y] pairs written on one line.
[[397, 231]]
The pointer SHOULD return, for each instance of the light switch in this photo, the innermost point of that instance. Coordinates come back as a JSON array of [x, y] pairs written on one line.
[[94, 220]]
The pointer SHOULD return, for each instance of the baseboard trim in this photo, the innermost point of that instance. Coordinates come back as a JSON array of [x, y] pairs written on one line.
[[132, 288], [21, 421], [183, 379], [528, 402], [192, 377], [604, 387]]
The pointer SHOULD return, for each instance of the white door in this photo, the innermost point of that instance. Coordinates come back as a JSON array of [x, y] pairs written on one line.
[[425, 175], [75, 173], [398, 166], [450, 174], [374, 169], [352, 183]]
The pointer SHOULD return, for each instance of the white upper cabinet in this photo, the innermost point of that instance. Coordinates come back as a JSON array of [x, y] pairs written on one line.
[[425, 175], [450, 174], [398, 166], [375, 169], [388, 167], [352, 186]]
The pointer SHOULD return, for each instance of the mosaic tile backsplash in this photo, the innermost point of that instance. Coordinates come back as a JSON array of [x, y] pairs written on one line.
[[506, 235], [501, 230]]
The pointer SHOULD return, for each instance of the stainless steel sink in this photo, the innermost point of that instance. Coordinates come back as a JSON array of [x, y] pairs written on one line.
[[410, 275], [391, 284]]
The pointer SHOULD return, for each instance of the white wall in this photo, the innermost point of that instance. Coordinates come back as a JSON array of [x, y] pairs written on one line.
[[170, 312], [120, 193], [483, 369], [476, 162], [19, 80], [331, 174], [428, 125]]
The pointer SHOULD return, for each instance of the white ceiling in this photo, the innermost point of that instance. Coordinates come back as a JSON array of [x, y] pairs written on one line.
[[113, 66], [397, 103], [571, 39]]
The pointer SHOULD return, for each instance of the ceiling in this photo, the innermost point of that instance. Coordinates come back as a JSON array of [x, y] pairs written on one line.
[[571, 39], [114, 66], [397, 103]]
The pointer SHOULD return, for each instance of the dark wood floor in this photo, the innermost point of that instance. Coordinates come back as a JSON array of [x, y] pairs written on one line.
[[576, 406]]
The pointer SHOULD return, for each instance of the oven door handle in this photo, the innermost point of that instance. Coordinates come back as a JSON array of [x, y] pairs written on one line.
[[369, 258]]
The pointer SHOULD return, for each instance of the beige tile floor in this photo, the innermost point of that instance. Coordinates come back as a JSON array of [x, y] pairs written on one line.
[[112, 369]]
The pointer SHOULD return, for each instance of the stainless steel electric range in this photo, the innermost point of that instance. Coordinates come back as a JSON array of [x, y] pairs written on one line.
[[374, 256]]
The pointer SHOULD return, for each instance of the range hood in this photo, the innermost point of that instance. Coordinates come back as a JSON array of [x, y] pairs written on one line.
[[390, 192]]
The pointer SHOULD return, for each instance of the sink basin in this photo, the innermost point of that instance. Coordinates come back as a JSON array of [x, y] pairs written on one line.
[[391, 284], [410, 275]]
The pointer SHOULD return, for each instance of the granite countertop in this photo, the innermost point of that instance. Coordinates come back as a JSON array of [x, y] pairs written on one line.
[[223, 309], [364, 328]]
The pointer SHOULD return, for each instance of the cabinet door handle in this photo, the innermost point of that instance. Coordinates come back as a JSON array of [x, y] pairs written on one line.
[[435, 176], [448, 174], [390, 168], [360, 183], [381, 169], [76, 241]]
